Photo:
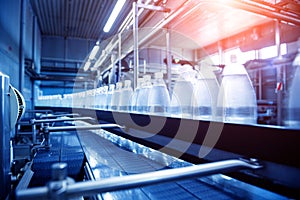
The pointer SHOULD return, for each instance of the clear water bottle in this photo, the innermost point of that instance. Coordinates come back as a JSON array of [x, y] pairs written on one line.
[[115, 98], [110, 92], [292, 117], [206, 92], [143, 97], [183, 95], [103, 96], [159, 99], [125, 96], [237, 98], [136, 94], [97, 97]]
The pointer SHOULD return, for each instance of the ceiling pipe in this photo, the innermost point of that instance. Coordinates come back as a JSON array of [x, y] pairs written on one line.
[[253, 7], [266, 10]]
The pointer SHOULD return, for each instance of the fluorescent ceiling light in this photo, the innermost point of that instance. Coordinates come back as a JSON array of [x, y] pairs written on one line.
[[94, 52], [113, 16], [86, 66]]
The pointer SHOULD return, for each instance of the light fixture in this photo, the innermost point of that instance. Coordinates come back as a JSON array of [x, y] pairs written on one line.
[[113, 16], [86, 66], [94, 52]]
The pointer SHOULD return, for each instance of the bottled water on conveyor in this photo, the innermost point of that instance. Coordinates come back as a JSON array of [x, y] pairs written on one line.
[[206, 92], [159, 99], [115, 98], [237, 98], [292, 112], [183, 94], [142, 100], [135, 95], [125, 96], [109, 96]]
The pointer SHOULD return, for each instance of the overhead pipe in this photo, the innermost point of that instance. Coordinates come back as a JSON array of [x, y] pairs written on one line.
[[40, 121], [22, 45], [261, 10]]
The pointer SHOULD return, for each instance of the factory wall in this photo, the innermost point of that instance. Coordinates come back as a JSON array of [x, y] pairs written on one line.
[[63, 53], [20, 40]]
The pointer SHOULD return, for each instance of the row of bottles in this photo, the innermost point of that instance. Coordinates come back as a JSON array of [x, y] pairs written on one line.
[[195, 95], [292, 111]]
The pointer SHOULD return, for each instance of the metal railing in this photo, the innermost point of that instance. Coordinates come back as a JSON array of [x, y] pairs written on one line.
[[61, 188]]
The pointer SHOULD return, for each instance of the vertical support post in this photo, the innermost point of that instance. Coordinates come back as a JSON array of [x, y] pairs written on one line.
[[135, 44], [278, 74], [277, 38], [120, 56], [21, 45], [259, 84], [169, 59], [221, 56], [33, 94]]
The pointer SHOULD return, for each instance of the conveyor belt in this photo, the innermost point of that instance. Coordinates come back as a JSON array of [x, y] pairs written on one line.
[[65, 147], [108, 159]]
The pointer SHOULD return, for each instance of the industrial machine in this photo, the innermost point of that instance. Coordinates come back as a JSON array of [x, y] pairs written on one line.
[[182, 127], [12, 107]]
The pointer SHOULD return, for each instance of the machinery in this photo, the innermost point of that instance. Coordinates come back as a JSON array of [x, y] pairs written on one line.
[[12, 107], [80, 146]]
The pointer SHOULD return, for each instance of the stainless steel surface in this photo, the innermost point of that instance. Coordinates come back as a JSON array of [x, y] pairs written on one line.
[[131, 181], [4, 136], [138, 180]]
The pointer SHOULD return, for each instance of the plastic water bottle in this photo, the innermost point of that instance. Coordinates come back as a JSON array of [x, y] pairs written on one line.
[[115, 98], [237, 98], [183, 95], [143, 97], [206, 92], [97, 97], [292, 117], [102, 99], [110, 92], [159, 99], [125, 96], [135, 95]]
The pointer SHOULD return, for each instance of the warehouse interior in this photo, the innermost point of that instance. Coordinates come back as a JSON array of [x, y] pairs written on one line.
[[185, 99]]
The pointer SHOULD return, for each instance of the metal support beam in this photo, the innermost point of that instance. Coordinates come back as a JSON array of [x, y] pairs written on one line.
[[120, 56], [21, 45], [169, 59], [88, 188], [62, 115], [40, 121], [77, 128], [135, 44]]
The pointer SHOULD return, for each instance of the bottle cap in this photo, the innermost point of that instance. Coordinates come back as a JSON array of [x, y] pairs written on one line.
[[158, 75], [119, 85], [147, 78], [127, 83], [111, 86], [234, 69]]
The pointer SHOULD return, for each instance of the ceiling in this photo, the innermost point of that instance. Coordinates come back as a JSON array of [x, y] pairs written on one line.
[[196, 23], [77, 18]]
